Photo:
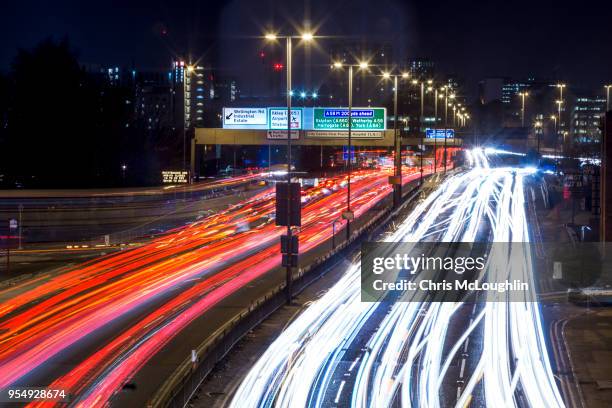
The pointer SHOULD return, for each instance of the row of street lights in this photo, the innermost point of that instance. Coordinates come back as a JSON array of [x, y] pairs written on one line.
[[458, 111], [397, 145]]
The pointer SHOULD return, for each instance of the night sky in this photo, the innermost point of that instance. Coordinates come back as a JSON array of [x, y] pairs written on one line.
[[472, 39]]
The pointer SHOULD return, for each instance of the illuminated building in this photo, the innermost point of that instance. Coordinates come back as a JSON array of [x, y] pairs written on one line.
[[585, 119]]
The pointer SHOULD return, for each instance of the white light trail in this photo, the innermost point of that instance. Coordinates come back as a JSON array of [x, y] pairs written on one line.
[[406, 356]]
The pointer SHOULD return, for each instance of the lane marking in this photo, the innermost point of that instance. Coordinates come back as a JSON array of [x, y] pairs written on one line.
[[353, 364], [339, 392]]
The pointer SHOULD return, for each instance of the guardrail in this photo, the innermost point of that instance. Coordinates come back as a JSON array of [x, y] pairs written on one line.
[[180, 387]]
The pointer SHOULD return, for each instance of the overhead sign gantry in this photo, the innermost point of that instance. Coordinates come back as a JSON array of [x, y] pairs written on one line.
[[309, 119]]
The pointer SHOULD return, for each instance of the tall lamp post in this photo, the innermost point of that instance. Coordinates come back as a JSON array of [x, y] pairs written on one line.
[[607, 97], [397, 146], [554, 119], [523, 95], [561, 87], [559, 131], [446, 104], [436, 95], [348, 214], [538, 129], [307, 37], [421, 118]]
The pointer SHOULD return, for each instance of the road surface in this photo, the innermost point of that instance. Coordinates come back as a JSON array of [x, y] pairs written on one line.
[[345, 352], [97, 327]]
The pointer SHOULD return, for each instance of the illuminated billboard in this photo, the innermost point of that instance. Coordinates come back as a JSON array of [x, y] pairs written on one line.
[[175, 177]]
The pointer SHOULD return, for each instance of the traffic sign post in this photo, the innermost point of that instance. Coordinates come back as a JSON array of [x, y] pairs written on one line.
[[395, 180], [13, 224], [289, 260], [283, 203], [289, 246], [288, 205], [289, 250], [348, 215], [20, 226]]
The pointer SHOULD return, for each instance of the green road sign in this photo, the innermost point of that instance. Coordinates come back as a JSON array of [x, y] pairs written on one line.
[[361, 119]]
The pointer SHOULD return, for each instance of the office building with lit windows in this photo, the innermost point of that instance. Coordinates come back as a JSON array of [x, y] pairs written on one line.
[[511, 88], [585, 119], [190, 91], [421, 68]]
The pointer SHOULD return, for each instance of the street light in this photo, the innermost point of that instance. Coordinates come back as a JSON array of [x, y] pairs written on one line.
[[435, 129], [560, 105], [523, 95], [422, 86], [348, 214], [273, 37], [538, 129], [554, 119], [446, 89], [307, 36], [561, 87], [397, 186], [607, 97]]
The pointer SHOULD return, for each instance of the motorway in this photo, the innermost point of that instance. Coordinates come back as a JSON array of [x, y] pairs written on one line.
[[55, 218], [93, 328], [492, 352]]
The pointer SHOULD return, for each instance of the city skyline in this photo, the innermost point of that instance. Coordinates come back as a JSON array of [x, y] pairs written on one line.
[[524, 39]]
